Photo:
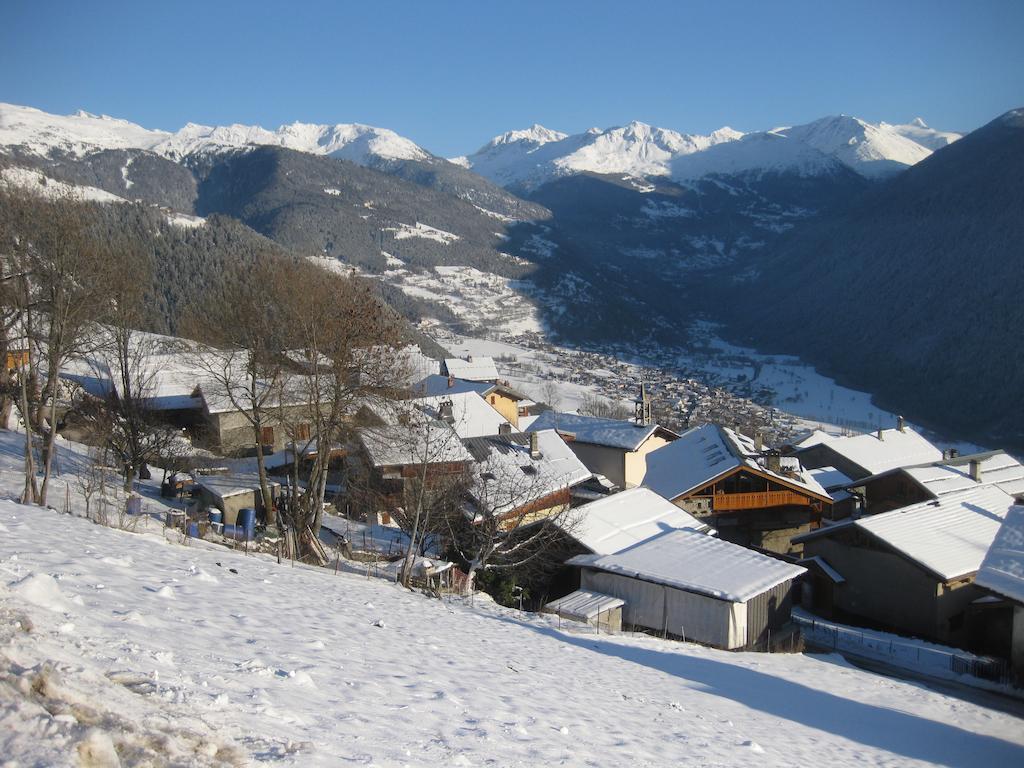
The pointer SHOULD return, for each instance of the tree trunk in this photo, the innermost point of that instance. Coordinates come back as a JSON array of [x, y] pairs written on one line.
[[268, 499]]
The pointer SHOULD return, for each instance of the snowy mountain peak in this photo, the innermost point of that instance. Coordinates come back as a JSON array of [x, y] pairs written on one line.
[[82, 132], [535, 135], [917, 122]]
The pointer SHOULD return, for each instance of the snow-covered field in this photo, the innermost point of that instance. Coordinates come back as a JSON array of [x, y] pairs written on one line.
[[129, 642]]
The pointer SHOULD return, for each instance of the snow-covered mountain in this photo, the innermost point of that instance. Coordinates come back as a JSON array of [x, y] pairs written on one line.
[[530, 158], [44, 134]]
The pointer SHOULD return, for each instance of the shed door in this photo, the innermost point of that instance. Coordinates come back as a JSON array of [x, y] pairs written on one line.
[[267, 435]]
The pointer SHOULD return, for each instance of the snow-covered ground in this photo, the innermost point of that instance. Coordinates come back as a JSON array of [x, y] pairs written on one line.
[[128, 642]]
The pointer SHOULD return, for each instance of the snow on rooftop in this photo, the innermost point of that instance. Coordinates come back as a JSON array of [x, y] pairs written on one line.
[[423, 442], [506, 476], [613, 433], [896, 448], [707, 452], [584, 605], [621, 520], [473, 369], [224, 486], [473, 417], [951, 475], [949, 536], [436, 384], [699, 563], [1002, 570]]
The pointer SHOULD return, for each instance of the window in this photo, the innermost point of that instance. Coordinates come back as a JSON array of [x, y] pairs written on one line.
[[302, 432]]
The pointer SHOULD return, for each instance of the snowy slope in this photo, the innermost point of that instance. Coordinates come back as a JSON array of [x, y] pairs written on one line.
[[42, 133], [917, 130], [871, 150], [146, 647]]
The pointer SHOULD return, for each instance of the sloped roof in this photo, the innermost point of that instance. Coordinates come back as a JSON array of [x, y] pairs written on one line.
[[507, 477], [948, 536], [223, 486], [474, 369], [703, 453], [699, 563], [437, 384], [622, 520], [584, 604], [951, 475], [897, 448], [613, 433], [473, 416], [1002, 570], [423, 442]]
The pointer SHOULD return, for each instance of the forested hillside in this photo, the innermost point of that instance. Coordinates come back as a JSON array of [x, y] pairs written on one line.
[[915, 291]]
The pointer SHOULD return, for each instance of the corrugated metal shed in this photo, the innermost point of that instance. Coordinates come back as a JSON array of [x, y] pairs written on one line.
[[584, 605], [696, 562]]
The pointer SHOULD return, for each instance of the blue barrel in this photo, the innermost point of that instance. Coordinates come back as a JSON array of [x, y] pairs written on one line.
[[193, 530], [247, 522], [216, 517]]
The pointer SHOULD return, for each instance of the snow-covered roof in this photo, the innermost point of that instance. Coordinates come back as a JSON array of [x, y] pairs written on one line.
[[437, 384], [474, 369], [613, 433], [426, 441], [896, 448], [1002, 570], [699, 563], [621, 520], [507, 477], [833, 481], [952, 475], [948, 536], [473, 417], [584, 605], [223, 486], [709, 451]]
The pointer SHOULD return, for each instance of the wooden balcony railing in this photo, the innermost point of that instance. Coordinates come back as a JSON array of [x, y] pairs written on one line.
[[731, 502]]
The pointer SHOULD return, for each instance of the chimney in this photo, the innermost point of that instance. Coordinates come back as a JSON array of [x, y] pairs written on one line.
[[773, 461], [975, 470], [758, 441], [534, 446], [446, 411], [505, 429], [901, 424], [451, 381], [880, 436]]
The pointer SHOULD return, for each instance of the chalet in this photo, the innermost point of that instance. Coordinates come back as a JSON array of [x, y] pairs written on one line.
[[910, 570], [230, 494], [695, 587], [860, 456], [1002, 573], [499, 395], [752, 497], [523, 477], [471, 369], [904, 486], [227, 429], [614, 448]]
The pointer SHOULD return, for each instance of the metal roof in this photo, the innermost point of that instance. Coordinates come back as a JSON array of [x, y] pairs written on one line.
[[584, 605], [1002, 570], [474, 369], [696, 562]]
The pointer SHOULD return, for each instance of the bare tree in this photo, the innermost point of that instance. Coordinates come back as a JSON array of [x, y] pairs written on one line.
[[519, 511], [595, 405]]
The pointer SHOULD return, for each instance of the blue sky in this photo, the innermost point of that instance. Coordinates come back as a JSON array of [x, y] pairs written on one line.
[[450, 75]]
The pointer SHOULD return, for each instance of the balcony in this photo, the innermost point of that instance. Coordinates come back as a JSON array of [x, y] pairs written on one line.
[[734, 502]]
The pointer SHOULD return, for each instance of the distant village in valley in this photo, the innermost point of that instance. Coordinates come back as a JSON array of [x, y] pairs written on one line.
[[691, 515]]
